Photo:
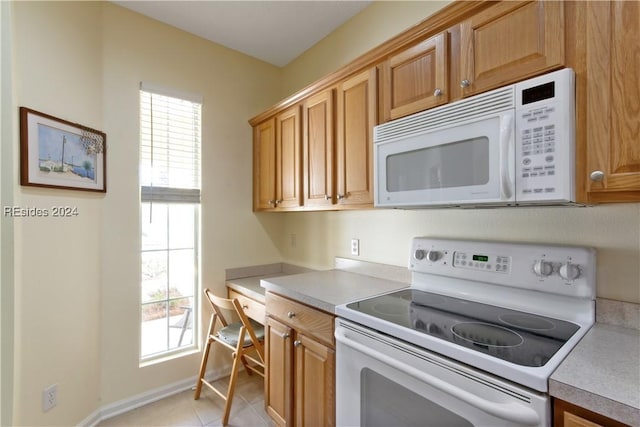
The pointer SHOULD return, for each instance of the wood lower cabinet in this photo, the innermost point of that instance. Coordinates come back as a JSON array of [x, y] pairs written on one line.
[[566, 414], [314, 388], [278, 384], [416, 78], [612, 152], [510, 41], [300, 357], [357, 115]]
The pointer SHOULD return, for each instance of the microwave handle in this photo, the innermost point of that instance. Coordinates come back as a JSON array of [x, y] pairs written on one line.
[[505, 144]]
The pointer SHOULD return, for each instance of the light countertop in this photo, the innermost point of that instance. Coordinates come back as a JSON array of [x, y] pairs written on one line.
[[602, 373], [325, 290], [246, 280]]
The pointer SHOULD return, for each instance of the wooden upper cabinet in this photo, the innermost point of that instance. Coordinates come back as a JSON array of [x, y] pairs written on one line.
[[612, 171], [264, 165], [416, 78], [357, 115], [318, 152], [510, 41], [288, 159]]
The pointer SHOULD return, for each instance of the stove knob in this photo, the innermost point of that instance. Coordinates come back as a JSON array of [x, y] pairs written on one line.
[[542, 268], [419, 254], [434, 256], [569, 271]]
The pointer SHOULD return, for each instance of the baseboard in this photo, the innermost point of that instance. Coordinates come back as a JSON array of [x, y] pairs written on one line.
[[113, 409]]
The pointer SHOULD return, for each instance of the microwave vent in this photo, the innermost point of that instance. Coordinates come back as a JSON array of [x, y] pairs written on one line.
[[447, 115]]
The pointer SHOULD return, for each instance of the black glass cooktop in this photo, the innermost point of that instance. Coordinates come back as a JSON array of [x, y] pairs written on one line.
[[518, 337]]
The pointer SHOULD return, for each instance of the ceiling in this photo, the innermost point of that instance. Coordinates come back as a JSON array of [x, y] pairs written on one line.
[[273, 31]]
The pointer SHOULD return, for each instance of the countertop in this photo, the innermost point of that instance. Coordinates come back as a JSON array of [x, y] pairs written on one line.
[[602, 373], [246, 280], [325, 290]]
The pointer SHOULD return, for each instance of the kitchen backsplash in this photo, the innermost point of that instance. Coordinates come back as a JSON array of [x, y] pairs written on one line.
[[618, 313]]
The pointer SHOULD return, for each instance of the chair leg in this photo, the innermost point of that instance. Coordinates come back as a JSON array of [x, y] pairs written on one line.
[[205, 356], [203, 368], [237, 358]]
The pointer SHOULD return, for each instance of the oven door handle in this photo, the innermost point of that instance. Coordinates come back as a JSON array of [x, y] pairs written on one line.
[[514, 412]]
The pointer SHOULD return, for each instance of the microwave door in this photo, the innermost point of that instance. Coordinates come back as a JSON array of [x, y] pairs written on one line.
[[466, 164]]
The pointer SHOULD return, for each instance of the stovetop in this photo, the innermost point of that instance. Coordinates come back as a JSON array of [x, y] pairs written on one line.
[[517, 337], [511, 309]]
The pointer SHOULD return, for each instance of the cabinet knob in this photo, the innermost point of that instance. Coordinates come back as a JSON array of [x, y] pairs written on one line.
[[437, 92], [297, 343], [285, 335], [245, 307], [278, 201], [271, 202], [597, 176], [465, 83], [327, 197], [340, 196], [291, 315]]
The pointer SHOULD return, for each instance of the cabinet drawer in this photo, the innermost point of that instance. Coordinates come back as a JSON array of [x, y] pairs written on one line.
[[252, 308], [301, 317]]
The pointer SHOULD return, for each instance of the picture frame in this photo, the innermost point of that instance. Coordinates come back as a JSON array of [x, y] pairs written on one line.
[[56, 153]]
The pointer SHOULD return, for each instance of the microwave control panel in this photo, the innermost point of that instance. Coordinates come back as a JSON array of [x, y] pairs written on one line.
[[545, 138]]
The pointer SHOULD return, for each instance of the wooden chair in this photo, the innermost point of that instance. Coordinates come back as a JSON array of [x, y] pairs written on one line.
[[242, 337]]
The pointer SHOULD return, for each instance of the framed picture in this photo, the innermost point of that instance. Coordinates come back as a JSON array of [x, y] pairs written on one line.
[[56, 153]]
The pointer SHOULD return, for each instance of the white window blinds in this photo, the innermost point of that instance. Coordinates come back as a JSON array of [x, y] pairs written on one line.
[[170, 132]]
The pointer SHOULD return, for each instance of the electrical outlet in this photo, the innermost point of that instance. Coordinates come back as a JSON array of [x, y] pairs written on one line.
[[49, 397], [355, 247]]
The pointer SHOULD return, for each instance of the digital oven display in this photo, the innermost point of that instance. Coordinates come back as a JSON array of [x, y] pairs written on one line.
[[538, 93], [481, 258]]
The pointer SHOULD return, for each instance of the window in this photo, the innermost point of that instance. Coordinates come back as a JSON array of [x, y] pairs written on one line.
[[170, 131]]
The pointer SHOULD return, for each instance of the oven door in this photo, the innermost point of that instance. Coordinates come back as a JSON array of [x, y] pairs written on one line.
[[381, 381], [470, 163]]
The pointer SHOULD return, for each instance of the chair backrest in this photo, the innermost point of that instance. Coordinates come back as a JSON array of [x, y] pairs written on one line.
[[218, 304]]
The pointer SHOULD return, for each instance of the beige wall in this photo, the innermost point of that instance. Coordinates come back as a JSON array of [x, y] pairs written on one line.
[[77, 279], [6, 224], [385, 235]]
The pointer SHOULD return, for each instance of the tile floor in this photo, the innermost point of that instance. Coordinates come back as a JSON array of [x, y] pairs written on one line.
[[182, 410]]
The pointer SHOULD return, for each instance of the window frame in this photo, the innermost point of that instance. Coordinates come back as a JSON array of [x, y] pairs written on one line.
[[166, 197]]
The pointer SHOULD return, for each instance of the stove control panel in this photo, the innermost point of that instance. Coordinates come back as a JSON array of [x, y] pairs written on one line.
[[482, 262], [565, 270]]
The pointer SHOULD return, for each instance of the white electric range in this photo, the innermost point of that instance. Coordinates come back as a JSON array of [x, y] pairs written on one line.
[[472, 342]]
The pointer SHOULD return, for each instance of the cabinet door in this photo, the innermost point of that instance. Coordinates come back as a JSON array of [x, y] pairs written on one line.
[[264, 165], [288, 159], [278, 384], [613, 101], [509, 42], [416, 78], [318, 150], [315, 383], [566, 414], [357, 104]]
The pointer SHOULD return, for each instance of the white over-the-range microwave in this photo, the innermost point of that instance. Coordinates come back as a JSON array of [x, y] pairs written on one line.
[[513, 146]]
